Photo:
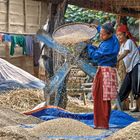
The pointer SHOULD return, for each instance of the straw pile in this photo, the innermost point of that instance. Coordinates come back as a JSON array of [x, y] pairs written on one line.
[[131, 132], [21, 99], [77, 106]]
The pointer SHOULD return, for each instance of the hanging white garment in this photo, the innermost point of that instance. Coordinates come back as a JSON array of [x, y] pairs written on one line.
[[13, 76]]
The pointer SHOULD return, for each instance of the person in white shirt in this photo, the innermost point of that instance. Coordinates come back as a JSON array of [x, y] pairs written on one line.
[[130, 54]]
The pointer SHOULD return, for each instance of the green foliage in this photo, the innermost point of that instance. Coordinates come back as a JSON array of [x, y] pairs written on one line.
[[76, 14], [131, 21]]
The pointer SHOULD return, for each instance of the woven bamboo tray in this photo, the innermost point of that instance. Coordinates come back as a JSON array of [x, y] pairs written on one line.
[[72, 33]]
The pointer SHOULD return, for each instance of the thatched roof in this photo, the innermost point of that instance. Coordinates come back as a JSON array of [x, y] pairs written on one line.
[[121, 7]]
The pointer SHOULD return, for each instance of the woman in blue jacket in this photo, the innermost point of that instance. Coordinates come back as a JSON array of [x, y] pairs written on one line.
[[105, 81]]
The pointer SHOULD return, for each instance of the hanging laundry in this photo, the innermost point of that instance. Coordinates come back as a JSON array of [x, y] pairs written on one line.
[[1, 37], [19, 40], [29, 45], [6, 38]]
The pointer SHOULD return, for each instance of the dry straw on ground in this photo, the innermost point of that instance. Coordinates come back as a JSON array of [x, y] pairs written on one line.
[[21, 99], [77, 106]]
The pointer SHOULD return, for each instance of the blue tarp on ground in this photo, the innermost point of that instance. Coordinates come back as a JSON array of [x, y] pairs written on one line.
[[118, 119]]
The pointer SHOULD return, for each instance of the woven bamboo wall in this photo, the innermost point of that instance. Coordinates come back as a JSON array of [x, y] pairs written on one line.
[[22, 16]]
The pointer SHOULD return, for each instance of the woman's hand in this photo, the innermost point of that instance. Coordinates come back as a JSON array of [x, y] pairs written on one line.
[[87, 41], [121, 56]]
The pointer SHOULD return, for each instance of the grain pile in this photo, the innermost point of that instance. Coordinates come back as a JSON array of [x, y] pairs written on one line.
[[10, 121], [63, 127], [14, 127], [131, 132], [72, 38], [9, 117], [15, 133], [21, 99]]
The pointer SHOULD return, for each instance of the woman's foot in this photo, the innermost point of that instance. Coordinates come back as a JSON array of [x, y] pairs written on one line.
[[135, 110], [101, 127]]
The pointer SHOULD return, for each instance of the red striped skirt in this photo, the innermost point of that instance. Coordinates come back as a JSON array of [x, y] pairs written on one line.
[[105, 87]]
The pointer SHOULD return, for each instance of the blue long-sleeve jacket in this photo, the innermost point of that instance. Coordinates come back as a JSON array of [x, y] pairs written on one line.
[[106, 53]]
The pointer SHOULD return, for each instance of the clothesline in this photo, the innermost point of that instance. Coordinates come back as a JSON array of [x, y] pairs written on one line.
[[12, 33], [23, 40]]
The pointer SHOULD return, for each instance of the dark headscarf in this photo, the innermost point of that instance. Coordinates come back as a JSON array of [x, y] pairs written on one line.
[[108, 27]]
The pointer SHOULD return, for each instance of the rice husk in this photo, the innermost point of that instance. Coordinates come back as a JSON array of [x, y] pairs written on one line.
[[15, 133], [131, 132], [9, 117], [10, 121], [70, 34], [64, 127], [72, 38]]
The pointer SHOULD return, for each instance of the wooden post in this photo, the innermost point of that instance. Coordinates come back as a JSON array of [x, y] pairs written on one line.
[[25, 15], [8, 15], [55, 18], [131, 100], [84, 98], [39, 13], [139, 30]]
